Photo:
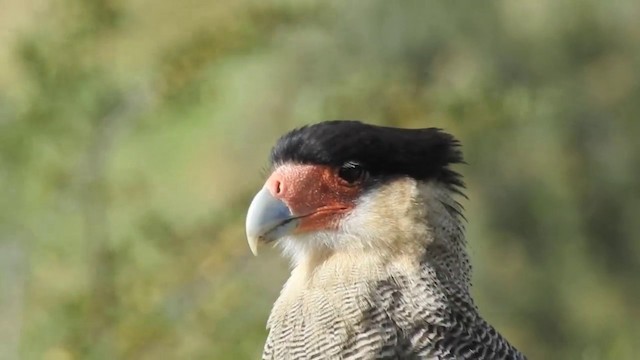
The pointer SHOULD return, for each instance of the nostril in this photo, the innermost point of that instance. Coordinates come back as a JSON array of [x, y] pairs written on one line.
[[277, 187]]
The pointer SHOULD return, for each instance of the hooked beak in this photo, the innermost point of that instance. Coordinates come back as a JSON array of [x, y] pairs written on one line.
[[268, 219]]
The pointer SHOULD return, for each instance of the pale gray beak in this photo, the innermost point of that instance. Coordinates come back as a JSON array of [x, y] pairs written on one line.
[[268, 219]]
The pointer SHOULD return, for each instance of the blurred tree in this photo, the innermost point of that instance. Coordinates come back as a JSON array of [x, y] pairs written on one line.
[[131, 141]]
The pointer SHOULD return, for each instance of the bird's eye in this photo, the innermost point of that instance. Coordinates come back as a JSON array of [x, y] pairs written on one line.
[[352, 172]]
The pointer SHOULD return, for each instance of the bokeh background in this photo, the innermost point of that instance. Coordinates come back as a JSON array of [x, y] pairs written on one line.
[[133, 134]]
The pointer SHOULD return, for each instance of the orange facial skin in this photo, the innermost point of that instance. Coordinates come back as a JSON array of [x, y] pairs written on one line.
[[315, 194]]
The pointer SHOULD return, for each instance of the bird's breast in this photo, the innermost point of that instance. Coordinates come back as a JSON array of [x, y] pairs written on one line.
[[335, 308]]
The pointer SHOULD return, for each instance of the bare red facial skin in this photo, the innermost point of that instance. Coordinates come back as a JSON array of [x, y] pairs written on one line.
[[314, 193]]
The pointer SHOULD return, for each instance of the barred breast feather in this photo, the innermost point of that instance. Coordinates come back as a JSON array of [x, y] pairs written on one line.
[[397, 313]]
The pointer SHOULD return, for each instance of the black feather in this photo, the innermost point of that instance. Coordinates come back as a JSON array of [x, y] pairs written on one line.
[[423, 154]]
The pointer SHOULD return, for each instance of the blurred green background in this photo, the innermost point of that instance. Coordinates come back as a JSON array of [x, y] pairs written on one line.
[[133, 134]]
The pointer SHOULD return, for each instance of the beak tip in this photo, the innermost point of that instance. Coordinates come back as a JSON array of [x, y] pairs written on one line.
[[253, 244]]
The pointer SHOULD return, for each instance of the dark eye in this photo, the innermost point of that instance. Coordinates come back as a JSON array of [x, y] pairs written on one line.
[[352, 172]]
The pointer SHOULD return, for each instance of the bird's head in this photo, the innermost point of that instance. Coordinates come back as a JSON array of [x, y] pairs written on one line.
[[342, 185]]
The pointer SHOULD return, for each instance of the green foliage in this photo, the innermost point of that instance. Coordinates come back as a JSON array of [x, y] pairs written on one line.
[[133, 133]]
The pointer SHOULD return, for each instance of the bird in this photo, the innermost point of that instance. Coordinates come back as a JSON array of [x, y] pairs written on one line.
[[370, 220]]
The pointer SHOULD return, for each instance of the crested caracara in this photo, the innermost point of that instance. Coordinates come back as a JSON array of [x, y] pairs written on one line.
[[368, 216]]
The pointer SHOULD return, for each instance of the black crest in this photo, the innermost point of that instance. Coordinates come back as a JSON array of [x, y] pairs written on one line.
[[422, 154]]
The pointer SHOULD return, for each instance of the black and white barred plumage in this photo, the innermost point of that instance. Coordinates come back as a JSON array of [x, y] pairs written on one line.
[[388, 277]]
